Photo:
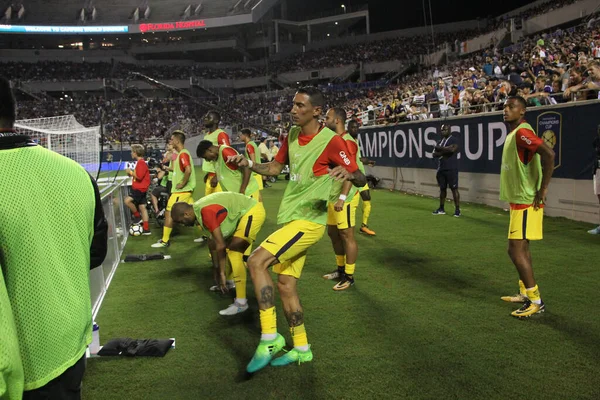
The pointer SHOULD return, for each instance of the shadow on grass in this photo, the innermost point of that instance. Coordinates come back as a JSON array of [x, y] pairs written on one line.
[[430, 269]]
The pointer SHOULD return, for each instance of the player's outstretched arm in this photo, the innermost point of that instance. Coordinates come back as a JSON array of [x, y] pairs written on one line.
[[340, 173], [272, 168], [221, 253]]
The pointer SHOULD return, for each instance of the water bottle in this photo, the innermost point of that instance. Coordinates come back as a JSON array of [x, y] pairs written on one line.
[[95, 345]]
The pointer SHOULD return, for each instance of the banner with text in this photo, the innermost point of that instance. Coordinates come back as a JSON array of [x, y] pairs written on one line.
[[568, 130]]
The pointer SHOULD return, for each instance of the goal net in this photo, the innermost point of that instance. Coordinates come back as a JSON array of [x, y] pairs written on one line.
[[65, 136]]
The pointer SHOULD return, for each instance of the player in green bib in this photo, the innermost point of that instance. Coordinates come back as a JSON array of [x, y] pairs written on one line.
[[527, 167], [52, 232], [341, 215], [310, 150], [233, 221], [252, 153], [184, 183], [365, 192], [216, 136], [231, 177]]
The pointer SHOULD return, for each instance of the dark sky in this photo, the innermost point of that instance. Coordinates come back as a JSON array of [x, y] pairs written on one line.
[[397, 14]]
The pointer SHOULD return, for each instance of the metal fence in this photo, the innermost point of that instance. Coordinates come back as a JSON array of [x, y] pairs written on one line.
[[113, 194]]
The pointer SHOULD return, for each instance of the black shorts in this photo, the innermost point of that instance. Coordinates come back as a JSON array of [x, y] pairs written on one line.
[[158, 190], [447, 178], [138, 197]]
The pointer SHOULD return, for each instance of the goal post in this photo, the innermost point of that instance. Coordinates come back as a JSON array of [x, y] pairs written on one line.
[[66, 136]]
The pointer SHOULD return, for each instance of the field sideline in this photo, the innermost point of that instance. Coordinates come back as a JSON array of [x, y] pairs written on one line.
[[423, 321]]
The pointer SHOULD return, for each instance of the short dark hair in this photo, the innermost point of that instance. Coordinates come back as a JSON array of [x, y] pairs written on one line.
[[246, 132], [340, 113], [353, 121], [315, 96], [203, 146], [180, 136], [216, 115], [520, 100], [8, 109]]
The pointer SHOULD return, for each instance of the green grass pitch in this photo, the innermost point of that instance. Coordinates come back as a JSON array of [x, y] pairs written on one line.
[[424, 320]]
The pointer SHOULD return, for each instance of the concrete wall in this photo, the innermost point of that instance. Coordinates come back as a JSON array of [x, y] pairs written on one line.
[[569, 198], [561, 16]]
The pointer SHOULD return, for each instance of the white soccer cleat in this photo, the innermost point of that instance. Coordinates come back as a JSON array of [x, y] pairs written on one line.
[[233, 309], [199, 240]]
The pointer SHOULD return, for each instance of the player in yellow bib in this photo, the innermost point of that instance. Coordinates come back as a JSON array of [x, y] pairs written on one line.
[[310, 150], [527, 167], [216, 136]]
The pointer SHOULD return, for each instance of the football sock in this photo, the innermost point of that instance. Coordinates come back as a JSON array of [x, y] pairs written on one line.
[[522, 289], [299, 337], [366, 212], [350, 269], [146, 225], [240, 301], [239, 273], [534, 295], [136, 214], [340, 261], [268, 324], [166, 234]]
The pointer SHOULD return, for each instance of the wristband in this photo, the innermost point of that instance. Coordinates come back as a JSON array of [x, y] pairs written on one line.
[[250, 164], [342, 197]]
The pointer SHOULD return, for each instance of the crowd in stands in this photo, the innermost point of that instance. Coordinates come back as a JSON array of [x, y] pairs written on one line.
[[136, 120], [554, 68]]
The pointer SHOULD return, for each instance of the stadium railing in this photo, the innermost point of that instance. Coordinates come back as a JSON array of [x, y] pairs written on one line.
[[113, 193]]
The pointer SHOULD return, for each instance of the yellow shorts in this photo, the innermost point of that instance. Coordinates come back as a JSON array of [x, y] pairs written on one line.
[[259, 180], [186, 197], [290, 243], [347, 217], [251, 222], [209, 189], [364, 188], [526, 224]]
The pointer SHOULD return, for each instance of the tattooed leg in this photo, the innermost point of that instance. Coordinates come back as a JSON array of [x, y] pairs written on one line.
[[291, 302], [258, 264]]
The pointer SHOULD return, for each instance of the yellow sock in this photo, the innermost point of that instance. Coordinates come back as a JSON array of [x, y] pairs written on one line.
[[268, 321], [239, 273], [522, 288], [166, 234], [299, 336], [366, 212], [534, 294], [350, 269], [340, 261]]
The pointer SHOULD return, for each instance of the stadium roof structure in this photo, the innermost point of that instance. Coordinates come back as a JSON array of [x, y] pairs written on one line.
[[121, 12], [325, 27]]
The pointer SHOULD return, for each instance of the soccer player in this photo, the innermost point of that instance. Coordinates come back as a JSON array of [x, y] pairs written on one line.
[[341, 210], [231, 177], [527, 167], [184, 183], [139, 188], [365, 193], [52, 232], [216, 136], [162, 175], [310, 150], [446, 152], [233, 221], [252, 154]]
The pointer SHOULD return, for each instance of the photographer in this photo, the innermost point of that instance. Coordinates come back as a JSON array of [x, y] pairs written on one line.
[[596, 144]]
